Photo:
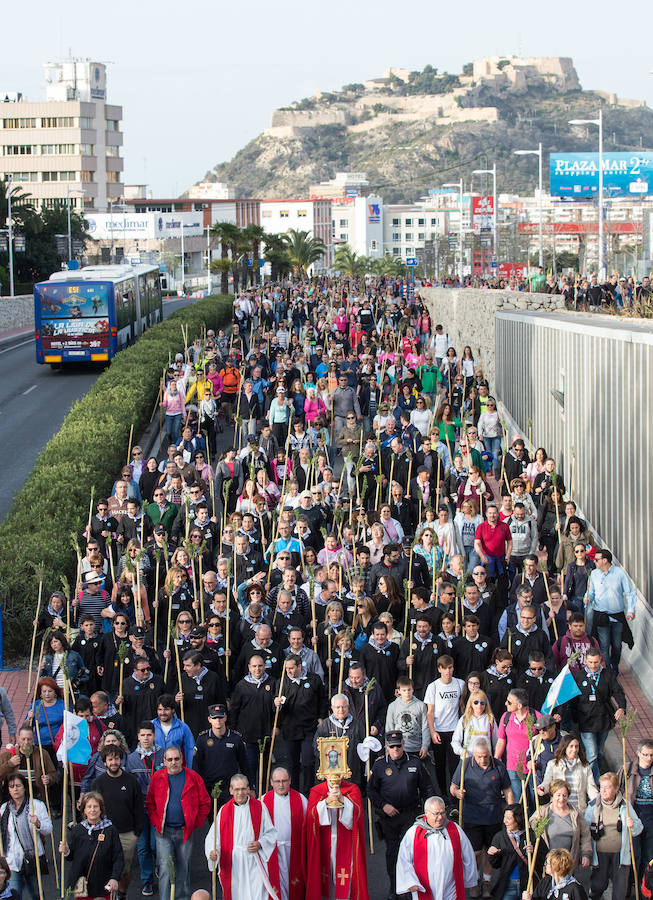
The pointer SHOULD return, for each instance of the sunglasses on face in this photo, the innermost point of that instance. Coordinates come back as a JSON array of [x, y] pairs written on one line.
[[478, 702]]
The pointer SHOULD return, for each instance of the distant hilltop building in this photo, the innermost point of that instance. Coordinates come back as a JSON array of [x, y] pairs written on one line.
[[211, 190], [519, 72]]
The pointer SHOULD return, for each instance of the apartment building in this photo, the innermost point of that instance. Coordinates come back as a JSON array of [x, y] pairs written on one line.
[[66, 148]]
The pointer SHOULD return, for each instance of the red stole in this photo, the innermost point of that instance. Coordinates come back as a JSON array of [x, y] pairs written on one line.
[[420, 859], [227, 839], [296, 870], [351, 864]]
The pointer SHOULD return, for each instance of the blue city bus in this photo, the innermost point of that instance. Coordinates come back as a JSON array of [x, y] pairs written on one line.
[[89, 314]]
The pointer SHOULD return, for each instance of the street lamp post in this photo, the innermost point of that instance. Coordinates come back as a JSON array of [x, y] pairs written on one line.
[[70, 239], [537, 153], [495, 238], [598, 122], [459, 185], [10, 236]]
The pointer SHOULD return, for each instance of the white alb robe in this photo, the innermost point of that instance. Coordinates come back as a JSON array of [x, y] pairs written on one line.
[[440, 865], [283, 828], [246, 881], [330, 817]]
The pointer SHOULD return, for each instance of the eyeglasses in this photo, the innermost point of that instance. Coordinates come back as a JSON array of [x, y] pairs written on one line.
[[137, 452], [579, 552], [184, 621], [145, 668], [214, 624], [478, 702], [537, 668]]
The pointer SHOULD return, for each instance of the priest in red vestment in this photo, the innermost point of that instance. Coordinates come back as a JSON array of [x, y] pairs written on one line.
[[436, 860], [286, 808], [334, 843]]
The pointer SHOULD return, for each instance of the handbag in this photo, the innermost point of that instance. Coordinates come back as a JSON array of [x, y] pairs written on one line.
[[28, 866], [80, 888]]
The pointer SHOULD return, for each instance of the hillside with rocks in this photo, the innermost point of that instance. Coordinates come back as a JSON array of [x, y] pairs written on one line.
[[410, 131]]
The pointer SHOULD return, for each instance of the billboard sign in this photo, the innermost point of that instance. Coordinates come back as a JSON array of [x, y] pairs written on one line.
[[576, 175], [482, 214], [512, 270]]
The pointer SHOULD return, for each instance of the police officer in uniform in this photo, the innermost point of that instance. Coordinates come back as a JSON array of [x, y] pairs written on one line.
[[398, 787], [219, 753]]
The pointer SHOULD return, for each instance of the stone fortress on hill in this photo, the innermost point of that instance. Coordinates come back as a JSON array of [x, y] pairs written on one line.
[[375, 103]]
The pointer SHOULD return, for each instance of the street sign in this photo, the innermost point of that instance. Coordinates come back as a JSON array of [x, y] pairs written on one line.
[[411, 261], [250, 263], [19, 243], [261, 263], [73, 264]]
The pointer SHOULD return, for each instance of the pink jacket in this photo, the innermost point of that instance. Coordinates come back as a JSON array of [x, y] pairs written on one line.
[[313, 409], [173, 403]]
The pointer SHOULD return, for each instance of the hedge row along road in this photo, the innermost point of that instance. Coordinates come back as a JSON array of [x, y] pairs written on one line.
[[88, 450], [38, 401]]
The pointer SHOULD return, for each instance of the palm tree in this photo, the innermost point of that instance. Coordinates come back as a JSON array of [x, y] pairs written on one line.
[[303, 250], [255, 235], [277, 255], [223, 266], [20, 204], [350, 263], [227, 235]]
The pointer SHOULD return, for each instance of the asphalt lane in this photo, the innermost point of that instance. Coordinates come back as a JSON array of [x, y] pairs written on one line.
[[34, 403]]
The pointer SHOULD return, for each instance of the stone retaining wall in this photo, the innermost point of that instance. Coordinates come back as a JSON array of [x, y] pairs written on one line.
[[467, 315], [16, 312]]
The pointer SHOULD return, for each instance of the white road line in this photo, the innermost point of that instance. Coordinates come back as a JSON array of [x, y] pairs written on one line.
[[16, 346], [29, 390]]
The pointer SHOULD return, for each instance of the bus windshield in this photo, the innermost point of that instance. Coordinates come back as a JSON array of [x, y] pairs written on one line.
[[74, 316]]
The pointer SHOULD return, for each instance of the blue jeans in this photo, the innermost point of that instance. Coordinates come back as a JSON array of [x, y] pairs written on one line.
[[173, 428], [609, 638], [513, 891], [516, 783], [171, 843], [470, 558], [146, 850], [594, 742], [493, 446], [18, 881]]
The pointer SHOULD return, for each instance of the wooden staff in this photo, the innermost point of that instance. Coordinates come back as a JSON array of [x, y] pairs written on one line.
[[47, 805], [170, 634], [462, 787], [36, 622], [367, 762], [539, 827], [129, 445], [392, 466], [227, 633], [122, 655], [410, 652], [27, 752], [157, 559], [548, 596], [201, 586], [64, 803], [181, 702], [46, 635], [329, 657], [90, 515], [274, 726], [342, 668], [625, 724]]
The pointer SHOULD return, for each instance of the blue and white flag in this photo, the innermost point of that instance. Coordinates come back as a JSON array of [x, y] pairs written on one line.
[[564, 688], [75, 746]]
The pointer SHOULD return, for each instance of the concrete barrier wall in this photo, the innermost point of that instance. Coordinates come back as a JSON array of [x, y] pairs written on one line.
[[467, 315], [16, 312]]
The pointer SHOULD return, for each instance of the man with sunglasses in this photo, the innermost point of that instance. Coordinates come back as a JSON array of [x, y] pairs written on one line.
[[140, 697], [220, 752], [161, 510]]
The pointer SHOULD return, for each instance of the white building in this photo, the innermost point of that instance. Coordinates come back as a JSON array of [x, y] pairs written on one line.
[[407, 227], [358, 221], [211, 190], [67, 148], [314, 216]]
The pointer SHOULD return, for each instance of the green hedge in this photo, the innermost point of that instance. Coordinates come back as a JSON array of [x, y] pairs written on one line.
[[88, 450]]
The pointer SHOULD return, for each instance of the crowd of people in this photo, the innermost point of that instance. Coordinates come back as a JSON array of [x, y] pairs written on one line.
[[580, 292], [338, 539]]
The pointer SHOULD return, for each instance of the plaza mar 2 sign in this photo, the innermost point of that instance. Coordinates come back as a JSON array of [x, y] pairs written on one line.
[[624, 174]]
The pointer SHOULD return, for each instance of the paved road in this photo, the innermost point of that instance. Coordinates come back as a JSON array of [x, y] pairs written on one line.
[[33, 405]]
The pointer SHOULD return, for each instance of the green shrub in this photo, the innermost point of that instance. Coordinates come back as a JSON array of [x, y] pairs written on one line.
[[88, 450]]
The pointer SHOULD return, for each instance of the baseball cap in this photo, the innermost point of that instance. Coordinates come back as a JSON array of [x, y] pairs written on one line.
[[252, 439], [218, 711], [137, 631], [394, 738], [92, 578], [197, 632], [159, 529], [179, 356], [281, 390], [543, 723]]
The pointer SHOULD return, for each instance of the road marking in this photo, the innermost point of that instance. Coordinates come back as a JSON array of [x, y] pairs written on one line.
[[16, 346], [29, 390]]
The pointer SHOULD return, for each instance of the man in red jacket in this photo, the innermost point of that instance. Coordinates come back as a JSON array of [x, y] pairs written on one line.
[[177, 804]]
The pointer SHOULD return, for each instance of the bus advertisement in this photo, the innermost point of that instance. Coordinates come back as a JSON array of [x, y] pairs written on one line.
[[74, 320]]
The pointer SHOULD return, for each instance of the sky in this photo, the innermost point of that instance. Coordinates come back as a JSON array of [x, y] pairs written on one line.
[[198, 80]]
